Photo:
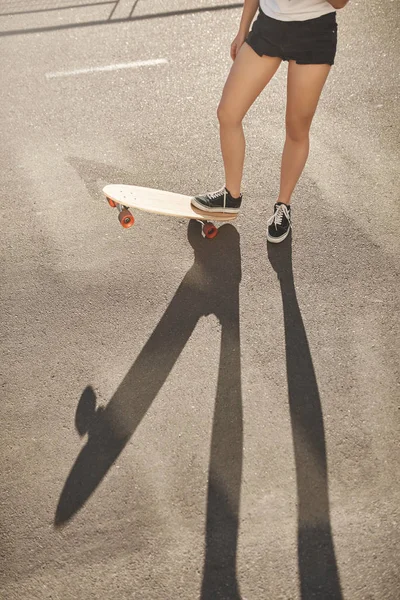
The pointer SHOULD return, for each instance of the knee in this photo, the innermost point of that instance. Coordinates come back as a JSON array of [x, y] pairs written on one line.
[[298, 128], [227, 116]]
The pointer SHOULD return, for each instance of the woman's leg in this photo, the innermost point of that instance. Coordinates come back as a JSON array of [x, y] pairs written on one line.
[[304, 87], [249, 75]]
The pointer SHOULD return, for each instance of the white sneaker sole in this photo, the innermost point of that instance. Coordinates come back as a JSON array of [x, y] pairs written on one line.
[[274, 240], [206, 209]]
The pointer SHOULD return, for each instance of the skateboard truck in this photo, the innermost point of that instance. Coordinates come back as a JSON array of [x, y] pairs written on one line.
[[125, 216]]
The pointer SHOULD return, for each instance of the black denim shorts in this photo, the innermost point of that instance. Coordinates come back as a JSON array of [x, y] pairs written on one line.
[[311, 42]]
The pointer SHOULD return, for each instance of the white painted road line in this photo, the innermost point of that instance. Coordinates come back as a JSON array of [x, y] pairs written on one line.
[[133, 65]]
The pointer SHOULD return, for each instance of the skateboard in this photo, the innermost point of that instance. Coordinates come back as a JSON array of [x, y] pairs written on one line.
[[160, 202]]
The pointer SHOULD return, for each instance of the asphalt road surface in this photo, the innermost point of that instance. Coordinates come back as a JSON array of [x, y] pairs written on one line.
[[184, 418]]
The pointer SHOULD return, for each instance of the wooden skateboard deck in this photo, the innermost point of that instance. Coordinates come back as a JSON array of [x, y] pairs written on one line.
[[160, 202]]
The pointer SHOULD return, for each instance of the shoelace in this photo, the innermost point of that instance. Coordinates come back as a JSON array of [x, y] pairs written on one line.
[[280, 211], [215, 195]]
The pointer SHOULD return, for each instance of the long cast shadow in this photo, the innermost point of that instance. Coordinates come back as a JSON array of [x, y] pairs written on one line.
[[211, 286], [110, 21], [225, 471], [36, 11], [318, 571]]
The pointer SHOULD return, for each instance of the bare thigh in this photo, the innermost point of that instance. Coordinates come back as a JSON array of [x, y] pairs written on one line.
[[304, 87], [249, 75]]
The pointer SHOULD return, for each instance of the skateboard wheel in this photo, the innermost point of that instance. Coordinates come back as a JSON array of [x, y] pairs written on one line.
[[126, 218], [111, 203], [210, 231]]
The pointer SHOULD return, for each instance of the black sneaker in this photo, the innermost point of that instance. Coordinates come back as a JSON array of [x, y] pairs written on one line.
[[220, 201], [279, 224]]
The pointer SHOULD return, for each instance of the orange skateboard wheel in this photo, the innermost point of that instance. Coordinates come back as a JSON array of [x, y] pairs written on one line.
[[126, 218], [210, 231], [111, 202]]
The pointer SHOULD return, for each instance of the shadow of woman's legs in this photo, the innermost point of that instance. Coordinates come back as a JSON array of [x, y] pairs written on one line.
[[225, 471], [318, 572]]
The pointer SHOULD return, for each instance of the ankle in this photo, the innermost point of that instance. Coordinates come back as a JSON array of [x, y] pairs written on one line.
[[234, 192]]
